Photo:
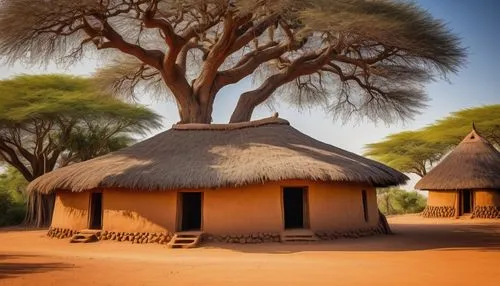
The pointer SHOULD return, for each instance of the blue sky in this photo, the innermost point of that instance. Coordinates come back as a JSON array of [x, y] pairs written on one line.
[[475, 21]]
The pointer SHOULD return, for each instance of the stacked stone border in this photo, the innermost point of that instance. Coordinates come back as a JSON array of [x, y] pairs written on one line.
[[438, 211], [165, 237], [486, 212], [259, 237], [134, 237], [333, 235]]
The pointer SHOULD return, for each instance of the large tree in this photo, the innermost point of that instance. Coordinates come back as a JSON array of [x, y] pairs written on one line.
[[416, 151], [364, 57], [407, 152], [43, 119]]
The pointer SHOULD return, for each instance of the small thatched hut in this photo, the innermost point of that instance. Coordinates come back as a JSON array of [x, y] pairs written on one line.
[[466, 181], [245, 182]]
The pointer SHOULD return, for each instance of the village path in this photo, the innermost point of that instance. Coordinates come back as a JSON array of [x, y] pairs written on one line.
[[422, 252]]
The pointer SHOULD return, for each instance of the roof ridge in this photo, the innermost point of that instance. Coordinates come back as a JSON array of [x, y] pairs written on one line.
[[231, 126]]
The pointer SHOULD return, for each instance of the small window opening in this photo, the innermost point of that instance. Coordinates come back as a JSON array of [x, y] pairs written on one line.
[[365, 205], [472, 137]]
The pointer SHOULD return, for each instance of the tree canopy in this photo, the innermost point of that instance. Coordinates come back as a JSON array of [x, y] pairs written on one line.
[[417, 151], [51, 120], [40, 116], [368, 58]]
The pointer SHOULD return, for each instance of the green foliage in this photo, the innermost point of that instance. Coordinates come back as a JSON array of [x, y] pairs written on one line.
[[396, 201], [417, 151], [42, 116], [453, 128], [61, 97], [49, 120], [407, 152], [12, 197], [14, 184]]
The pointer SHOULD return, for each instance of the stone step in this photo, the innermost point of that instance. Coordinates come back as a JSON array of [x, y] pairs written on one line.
[[83, 238], [300, 235], [185, 240]]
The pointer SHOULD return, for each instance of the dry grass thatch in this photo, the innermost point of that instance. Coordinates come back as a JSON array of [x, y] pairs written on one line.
[[473, 164], [219, 156]]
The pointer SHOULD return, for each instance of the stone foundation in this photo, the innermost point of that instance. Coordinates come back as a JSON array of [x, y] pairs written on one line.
[[349, 234], [163, 238], [61, 232], [486, 212], [438, 211], [259, 237], [134, 237]]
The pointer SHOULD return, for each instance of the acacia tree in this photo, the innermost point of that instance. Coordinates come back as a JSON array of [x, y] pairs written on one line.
[[361, 57], [452, 129], [41, 118], [417, 151], [407, 152]]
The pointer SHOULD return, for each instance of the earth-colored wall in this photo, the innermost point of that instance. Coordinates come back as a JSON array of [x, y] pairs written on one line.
[[250, 209], [258, 208], [442, 198], [334, 207], [487, 197], [71, 210], [486, 203], [133, 211]]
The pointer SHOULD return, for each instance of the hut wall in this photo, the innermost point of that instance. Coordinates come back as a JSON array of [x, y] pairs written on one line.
[[486, 203], [441, 204], [442, 198], [71, 210], [487, 197], [133, 211], [258, 208], [250, 209], [337, 207]]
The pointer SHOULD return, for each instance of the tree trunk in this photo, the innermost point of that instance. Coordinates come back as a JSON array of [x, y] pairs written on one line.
[[250, 99], [247, 103], [194, 112]]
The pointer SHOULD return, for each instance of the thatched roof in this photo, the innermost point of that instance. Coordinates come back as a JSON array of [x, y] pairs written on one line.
[[473, 164], [219, 155]]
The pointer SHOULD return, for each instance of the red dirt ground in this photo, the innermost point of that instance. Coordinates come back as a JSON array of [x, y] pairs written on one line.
[[422, 252]]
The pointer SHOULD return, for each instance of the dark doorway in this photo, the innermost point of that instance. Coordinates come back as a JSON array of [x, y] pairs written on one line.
[[467, 201], [294, 205], [95, 211], [191, 211]]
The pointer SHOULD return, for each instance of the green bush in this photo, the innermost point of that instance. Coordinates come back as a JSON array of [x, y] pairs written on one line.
[[11, 212], [396, 201]]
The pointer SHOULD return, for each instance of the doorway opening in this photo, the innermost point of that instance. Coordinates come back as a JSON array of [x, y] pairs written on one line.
[[191, 213], [295, 207], [95, 220], [467, 199]]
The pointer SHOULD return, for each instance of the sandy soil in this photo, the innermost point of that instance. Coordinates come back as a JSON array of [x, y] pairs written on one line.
[[422, 252]]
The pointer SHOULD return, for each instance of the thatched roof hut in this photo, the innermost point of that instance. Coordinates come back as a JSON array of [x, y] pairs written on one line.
[[246, 182], [220, 155], [466, 181], [473, 164]]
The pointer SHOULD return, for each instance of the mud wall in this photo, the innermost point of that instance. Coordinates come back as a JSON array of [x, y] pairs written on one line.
[[246, 210], [441, 204], [338, 207], [486, 203], [133, 211], [255, 208], [71, 210]]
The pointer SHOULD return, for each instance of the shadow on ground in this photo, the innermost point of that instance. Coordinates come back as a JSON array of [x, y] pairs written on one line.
[[406, 237], [9, 268], [18, 228]]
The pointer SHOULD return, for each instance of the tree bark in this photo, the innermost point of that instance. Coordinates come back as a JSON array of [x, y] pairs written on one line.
[[194, 112], [249, 100]]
